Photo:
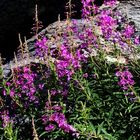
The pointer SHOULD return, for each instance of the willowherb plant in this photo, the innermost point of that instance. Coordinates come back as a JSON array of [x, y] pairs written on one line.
[[74, 93], [37, 26], [67, 63], [89, 9], [56, 116], [126, 79]]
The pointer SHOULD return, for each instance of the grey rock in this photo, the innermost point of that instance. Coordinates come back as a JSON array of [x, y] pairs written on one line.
[[132, 9]]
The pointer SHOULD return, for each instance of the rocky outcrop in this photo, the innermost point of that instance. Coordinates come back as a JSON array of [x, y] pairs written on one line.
[[17, 17], [132, 9], [53, 28]]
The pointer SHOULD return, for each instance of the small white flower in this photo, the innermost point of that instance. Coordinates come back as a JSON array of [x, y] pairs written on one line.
[[121, 60], [111, 59]]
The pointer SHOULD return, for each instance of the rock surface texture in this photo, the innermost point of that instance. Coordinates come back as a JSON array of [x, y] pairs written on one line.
[[17, 17], [132, 9]]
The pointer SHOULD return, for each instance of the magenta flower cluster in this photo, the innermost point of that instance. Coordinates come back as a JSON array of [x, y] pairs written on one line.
[[42, 48], [5, 118], [68, 63], [26, 78], [137, 40], [67, 60], [107, 23], [128, 31], [23, 81], [88, 8], [125, 79], [57, 117], [60, 119], [110, 2]]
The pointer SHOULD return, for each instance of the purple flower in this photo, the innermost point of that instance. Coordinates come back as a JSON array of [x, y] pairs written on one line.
[[45, 119], [107, 23], [8, 83], [88, 8], [66, 127], [41, 47], [57, 108], [50, 127], [53, 92], [126, 79], [65, 92], [137, 40], [88, 1], [4, 92], [26, 69], [85, 75], [60, 119], [110, 2], [24, 82], [128, 31], [5, 118], [67, 62], [135, 99], [41, 86], [12, 93]]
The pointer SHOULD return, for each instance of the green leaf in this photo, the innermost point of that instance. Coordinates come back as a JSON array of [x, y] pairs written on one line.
[[100, 127], [42, 134]]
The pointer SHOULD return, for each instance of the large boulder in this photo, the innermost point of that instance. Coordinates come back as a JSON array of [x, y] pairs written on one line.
[[132, 9], [17, 17]]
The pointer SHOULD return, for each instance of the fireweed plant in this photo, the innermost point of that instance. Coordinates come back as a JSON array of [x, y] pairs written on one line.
[[80, 91]]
